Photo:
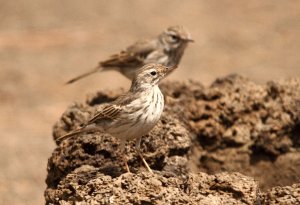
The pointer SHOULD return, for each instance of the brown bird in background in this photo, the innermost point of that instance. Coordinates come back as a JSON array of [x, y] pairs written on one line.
[[166, 49], [133, 114]]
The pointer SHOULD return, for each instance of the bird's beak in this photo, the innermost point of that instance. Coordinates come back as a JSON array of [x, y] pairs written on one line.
[[165, 71], [170, 70], [190, 40]]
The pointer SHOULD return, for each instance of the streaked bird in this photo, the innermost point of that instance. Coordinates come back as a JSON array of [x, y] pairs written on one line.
[[166, 49], [133, 114]]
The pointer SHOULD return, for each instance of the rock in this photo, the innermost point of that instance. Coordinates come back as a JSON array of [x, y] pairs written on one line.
[[245, 127], [282, 195], [234, 125], [87, 185]]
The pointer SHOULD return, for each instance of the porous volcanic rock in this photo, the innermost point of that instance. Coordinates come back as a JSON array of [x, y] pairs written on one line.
[[87, 185], [234, 125], [245, 127], [282, 195]]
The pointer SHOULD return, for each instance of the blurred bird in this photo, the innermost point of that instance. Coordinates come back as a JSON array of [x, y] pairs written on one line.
[[166, 49], [134, 113]]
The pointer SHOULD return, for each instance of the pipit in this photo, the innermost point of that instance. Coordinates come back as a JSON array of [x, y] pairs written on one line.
[[133, 114], [166, 49]]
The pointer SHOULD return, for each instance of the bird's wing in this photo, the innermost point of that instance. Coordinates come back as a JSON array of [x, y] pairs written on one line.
[[132, 56], [113, 110], [109, 112]]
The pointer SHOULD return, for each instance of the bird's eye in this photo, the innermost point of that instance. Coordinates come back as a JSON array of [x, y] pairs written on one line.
[[153, 73], [174, 38]]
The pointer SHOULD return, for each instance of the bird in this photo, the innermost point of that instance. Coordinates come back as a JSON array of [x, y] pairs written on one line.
[[166, 49], [134, 113]]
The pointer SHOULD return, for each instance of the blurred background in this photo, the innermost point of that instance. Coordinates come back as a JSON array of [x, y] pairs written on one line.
[[45, 43]]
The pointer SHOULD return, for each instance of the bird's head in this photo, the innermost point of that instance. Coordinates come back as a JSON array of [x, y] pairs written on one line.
[[175, 37], [150, 75]]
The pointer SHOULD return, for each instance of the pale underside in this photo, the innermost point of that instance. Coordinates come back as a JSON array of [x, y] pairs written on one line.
[[128, 121]]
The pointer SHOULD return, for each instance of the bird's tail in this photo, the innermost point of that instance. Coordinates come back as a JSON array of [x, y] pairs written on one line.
[[95, 70], [89, 128]]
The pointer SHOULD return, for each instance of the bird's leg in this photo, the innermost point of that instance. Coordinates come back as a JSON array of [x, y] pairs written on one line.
[[138, 149], [122, 148]]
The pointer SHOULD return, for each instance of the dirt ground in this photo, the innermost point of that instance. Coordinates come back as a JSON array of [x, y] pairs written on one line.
[[43, 44]]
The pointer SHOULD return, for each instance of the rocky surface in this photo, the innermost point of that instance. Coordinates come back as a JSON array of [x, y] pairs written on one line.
[[87, 185], [282, 195], [232, 126]]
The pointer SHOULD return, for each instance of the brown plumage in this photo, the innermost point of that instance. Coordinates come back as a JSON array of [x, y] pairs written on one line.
[[166, 49]]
